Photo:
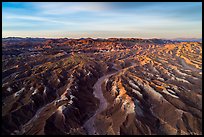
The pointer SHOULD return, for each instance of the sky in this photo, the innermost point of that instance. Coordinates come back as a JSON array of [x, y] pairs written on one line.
[[167, 20]]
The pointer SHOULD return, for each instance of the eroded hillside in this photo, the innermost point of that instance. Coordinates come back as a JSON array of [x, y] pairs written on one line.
[[96, 86]]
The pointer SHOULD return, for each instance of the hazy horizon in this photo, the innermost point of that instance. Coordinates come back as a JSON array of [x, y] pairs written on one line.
[[162, 20], [104, 38]]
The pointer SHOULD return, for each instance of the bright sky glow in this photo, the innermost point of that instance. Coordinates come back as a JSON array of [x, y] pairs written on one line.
[[102, 19]]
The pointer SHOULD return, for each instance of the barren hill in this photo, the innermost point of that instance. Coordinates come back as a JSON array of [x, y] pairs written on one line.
[[113, 86]]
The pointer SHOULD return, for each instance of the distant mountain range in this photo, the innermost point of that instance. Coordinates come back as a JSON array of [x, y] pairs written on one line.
[[17, 39], [154, 39], [188, 39]]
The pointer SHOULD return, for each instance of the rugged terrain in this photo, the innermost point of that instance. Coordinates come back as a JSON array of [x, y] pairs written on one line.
[[113, 86]]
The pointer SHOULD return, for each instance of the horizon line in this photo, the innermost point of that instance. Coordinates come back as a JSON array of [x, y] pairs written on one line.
[[103, 38]]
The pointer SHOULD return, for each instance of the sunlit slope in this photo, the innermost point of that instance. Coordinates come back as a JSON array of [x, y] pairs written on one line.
[[160, 94]]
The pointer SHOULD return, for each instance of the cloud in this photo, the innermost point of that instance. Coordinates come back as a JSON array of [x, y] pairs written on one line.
[[59, 8], [80, 17], [44, 19]]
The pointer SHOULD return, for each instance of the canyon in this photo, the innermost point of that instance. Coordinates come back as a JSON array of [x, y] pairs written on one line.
[[115, 86]]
